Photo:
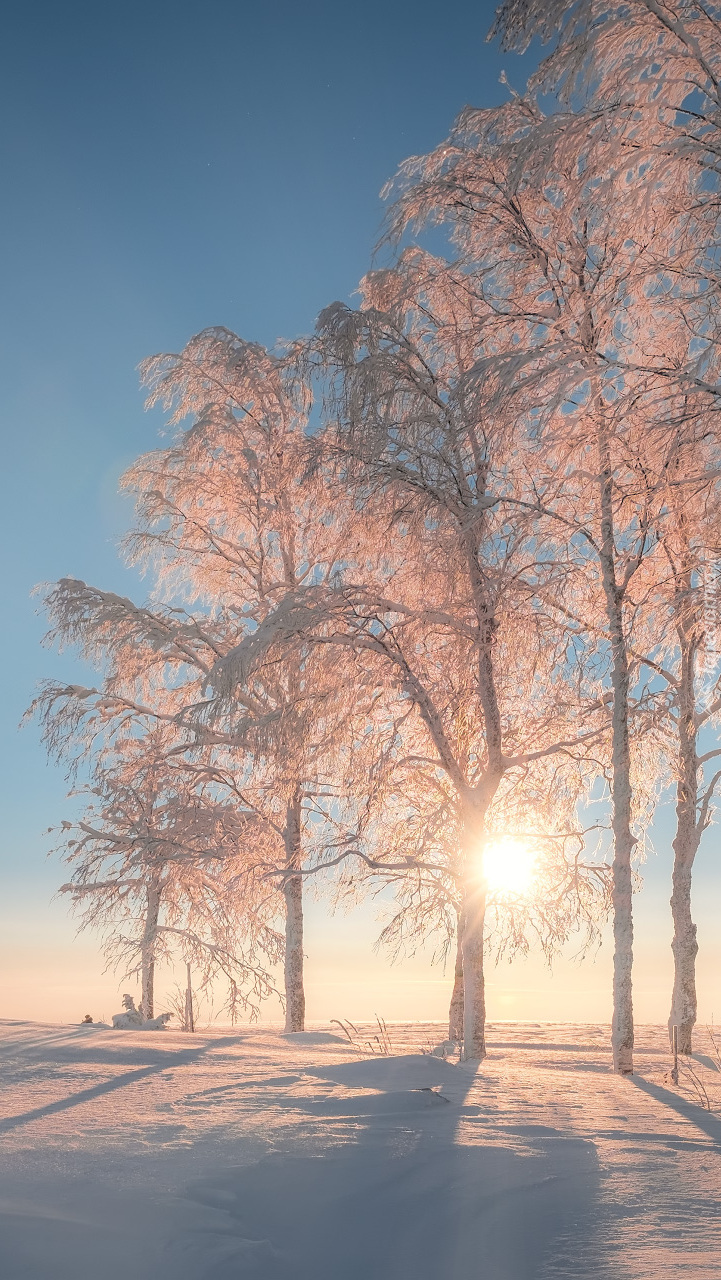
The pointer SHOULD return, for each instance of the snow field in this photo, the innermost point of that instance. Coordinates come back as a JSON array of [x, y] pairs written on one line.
[[253, 1155]]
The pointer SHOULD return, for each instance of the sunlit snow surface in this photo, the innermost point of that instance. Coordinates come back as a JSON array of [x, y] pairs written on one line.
[[246, 1153]]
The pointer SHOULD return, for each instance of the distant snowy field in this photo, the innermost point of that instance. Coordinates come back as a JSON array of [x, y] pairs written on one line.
[[234, 1154]]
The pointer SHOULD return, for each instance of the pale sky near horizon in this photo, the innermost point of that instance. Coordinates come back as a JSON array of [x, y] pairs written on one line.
[[169, 166]]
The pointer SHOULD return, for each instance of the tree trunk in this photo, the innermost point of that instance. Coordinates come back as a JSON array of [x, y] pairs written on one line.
[[472, 915], [685, 847], [685, 950], [474, 986], [293, 894], [455, 1012], [473, 909], [623, 839], [622, 1032], [147, 953], [189, 1016]]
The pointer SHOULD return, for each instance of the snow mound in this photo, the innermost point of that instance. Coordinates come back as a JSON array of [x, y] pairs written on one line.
[[312, 1037], [407, 1071], [365, 1105]]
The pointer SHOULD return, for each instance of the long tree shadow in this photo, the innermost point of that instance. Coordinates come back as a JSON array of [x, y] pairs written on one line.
[[706, 1061], [704, 1120], [402, 1195], [176, 1058]]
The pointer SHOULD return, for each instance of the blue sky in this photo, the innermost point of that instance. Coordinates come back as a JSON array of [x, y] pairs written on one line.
[[167, 166]]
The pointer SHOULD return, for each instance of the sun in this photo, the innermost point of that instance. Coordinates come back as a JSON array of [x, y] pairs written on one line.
[[509, 866]]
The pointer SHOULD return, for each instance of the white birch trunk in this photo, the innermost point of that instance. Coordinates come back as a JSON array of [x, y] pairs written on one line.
[[473, 909], [623, 839], [685, 950], [189, 1018], [685, 847], [473, 912], [147, 951], [455, 1012], [622, 1031], [293, 894], [474, 986]]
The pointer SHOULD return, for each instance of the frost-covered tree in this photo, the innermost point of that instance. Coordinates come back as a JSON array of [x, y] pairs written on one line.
[[683, 650], [155, 660], [574, 319], [445, 616], [409, 836], [495, 481], [229, 521], [654, 62], [231, 517], [644, 77], [160, 867]]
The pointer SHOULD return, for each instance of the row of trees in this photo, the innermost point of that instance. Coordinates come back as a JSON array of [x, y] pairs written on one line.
[[429, 578]]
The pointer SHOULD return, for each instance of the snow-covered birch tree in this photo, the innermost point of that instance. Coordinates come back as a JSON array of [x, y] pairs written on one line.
[[231, 513], [229, 521], [543, 884], [682, 651], [444, 614], [155, 660], [575, 320], [160, 868], [649, 73]]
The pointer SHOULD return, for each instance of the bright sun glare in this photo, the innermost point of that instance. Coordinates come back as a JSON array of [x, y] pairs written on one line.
[[509, 866]]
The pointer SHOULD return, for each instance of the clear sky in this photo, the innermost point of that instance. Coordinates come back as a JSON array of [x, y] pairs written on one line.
[[168, 166]]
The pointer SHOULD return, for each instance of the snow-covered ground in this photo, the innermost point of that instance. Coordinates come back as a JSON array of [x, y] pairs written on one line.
[[249, 1154]]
